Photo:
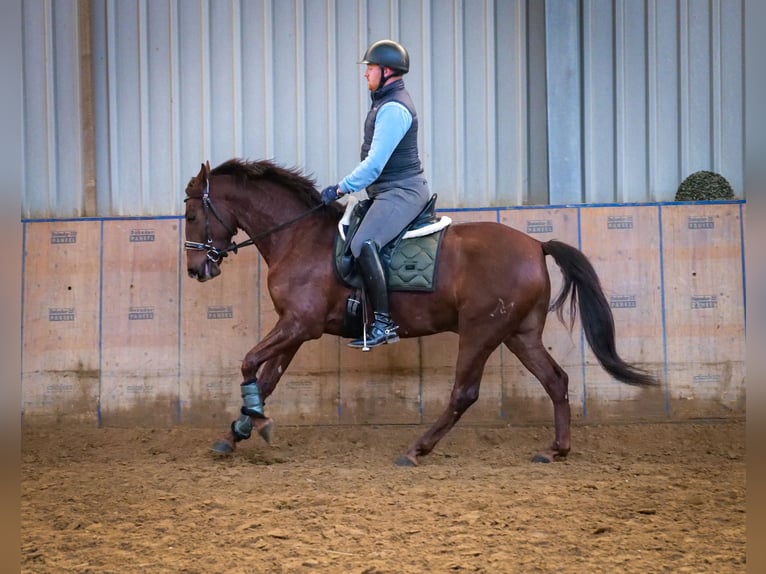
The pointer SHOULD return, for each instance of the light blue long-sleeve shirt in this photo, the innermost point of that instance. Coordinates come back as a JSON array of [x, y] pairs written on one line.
[[391, 123]]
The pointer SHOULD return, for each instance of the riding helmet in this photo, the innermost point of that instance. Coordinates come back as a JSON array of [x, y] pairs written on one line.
[[388, 53]]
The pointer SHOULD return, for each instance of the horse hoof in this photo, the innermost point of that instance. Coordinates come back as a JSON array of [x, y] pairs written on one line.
[[405, 460], [265, 430], [541, 458], [222, 446]]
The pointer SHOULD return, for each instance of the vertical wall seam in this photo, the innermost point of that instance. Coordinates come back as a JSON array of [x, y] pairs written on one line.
[[615, 109], [583, 369], [647, 167], [586, 51], [716, 86], [50, 111], [619, 94], [101, 105], [683, 85], [564, 103], [743, 260], [651, 97], [332, 134], [100, 323], [393, 19], [522, 134], [175, 104], [145, 153], [663, 312], [339, 381], [113, 146], [503, 350], [364, 40], [333, 155], [87, 108], [268, 73], [458, 92], [536, 110], [490, 133], [425, 86], [743, 97], [581, 95], [205, 79], [300, 80], [24, 229], [179, 324], [76, 175], [237, 88], [421, 407]]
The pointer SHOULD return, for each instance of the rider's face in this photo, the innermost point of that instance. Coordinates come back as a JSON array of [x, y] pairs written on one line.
[[373, 76]]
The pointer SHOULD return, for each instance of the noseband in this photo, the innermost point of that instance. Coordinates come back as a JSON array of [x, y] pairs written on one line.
[[213, 253]]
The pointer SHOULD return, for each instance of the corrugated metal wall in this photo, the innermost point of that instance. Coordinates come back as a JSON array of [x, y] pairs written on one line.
[[521, 101]]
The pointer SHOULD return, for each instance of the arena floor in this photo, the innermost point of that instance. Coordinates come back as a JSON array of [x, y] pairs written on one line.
[[630, 498]]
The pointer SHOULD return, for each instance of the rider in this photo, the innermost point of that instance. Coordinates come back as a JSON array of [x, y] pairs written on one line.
[[391, 171]]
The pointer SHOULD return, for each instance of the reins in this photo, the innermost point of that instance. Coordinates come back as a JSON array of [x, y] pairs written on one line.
[[234, 246], [215, 254]]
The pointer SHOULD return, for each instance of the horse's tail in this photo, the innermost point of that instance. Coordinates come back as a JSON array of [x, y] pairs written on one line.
[[581, 281]]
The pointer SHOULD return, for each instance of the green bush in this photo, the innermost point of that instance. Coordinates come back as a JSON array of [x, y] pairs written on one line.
[[704, 186]]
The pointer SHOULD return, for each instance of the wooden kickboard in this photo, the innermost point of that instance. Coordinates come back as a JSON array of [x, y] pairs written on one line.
[[103, 328], [623, 244], [308, 392], [60, 352], [704, 299], [381, 385], [140, 352]]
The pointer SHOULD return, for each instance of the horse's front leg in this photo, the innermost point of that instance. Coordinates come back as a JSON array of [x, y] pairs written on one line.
[[256, 388], [264, 384]]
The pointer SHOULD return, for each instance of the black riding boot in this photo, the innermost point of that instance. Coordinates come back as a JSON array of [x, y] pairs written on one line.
[[383, 328]]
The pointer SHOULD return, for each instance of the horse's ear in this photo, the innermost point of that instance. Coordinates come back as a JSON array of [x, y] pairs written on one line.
[[206, 168], [202, 175]]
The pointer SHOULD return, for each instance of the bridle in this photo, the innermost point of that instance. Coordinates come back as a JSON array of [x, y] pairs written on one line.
[[215, 254]]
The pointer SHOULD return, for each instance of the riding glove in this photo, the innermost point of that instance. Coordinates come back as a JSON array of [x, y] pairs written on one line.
[[330, 194]]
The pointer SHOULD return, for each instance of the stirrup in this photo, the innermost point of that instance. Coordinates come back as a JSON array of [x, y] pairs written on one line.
[[382, 332]]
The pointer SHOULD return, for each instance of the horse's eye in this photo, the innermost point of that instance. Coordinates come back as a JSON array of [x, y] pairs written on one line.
[[191, 217]]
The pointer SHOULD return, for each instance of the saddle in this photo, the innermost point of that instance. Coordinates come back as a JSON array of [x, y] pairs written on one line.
[[409, 260]]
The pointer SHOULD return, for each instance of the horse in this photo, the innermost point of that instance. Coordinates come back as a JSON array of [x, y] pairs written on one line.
[[492, 288]]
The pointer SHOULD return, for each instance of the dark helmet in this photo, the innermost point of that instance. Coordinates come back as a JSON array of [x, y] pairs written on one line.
[[388, 53]]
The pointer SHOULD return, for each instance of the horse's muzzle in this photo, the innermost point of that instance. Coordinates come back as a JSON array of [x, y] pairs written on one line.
[[208, 270]]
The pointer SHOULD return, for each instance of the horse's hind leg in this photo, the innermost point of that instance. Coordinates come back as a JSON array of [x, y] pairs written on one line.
[[465, 392], [529, 348]]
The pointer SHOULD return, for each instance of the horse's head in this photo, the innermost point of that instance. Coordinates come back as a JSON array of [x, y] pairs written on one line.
[[209, 228]]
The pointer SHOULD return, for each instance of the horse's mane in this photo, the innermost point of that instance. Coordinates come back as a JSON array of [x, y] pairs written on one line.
[[250, 172]]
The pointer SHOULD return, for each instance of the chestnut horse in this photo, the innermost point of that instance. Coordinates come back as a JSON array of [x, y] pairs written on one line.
[[492, 288]]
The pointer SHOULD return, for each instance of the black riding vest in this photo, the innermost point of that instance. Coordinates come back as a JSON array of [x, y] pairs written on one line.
[[405, 161]]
